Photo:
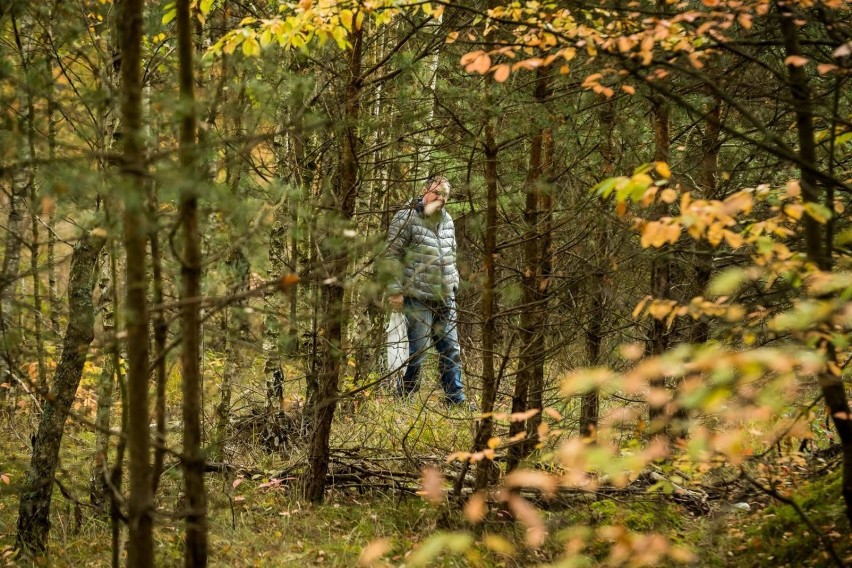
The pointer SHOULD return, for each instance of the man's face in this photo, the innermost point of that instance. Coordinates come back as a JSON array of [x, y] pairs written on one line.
[[435, 196]]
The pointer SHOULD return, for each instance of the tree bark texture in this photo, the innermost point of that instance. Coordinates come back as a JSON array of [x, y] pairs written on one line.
[[485, 429], [528, 392], [99, 491], [195, 554], [140, 552], [34, 510], [590, 401]]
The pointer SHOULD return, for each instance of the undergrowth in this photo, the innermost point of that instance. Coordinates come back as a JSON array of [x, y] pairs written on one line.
[[257, 523]]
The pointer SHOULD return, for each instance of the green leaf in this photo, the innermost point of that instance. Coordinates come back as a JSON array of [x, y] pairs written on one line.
[[171, 14], [605, 187], [434, 545], [818, 211], [843, 138], [641, 169]]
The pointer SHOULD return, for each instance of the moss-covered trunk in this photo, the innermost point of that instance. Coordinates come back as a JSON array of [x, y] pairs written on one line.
[[34, 509]]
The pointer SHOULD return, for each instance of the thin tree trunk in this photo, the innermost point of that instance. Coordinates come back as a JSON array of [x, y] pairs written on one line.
[[537, 182], [832, 386], [528, 334], [140, 502], [707, 184], [485, 431], [195, 554], [545, 273], [332, 293], [34, 510], [661, 266], [161, 329], [21, 178], [590, 401], [99, 491], [235, 328], [34, 247], [52, 297]]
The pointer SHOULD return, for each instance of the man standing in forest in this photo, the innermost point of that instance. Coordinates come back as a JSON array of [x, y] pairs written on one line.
[[422, 238]]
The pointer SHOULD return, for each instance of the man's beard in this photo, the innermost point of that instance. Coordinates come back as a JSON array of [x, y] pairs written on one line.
[[432, 207]]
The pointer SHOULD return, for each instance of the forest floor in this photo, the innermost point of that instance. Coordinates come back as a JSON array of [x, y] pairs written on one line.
[[255, 519]]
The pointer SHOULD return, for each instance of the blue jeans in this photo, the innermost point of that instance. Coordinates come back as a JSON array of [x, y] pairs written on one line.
[[433, 323]]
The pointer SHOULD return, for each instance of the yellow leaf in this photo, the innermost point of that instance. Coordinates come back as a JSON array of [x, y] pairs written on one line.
[[734, 240], [501, 73], [346, 19], [493, 442], [660, 309], [715, 233], [663, 169], [794, 210], [498, 544]]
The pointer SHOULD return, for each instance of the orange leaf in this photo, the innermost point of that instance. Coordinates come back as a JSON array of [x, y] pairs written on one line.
[[480, 65], [469, 58], [668, 195], [475, 508], [796, 61], [629, 89], [521, 416], [528, 515], [501, 73], [432, 485], [373, 552], [540, 480]]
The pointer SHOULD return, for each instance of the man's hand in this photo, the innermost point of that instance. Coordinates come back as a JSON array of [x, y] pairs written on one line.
[[396, 302]]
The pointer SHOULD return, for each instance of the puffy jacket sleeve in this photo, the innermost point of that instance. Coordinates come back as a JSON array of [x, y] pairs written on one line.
[[455, 277], [399, 235]]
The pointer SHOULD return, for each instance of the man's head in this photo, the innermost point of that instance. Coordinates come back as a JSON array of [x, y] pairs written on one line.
[[436, 193]]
